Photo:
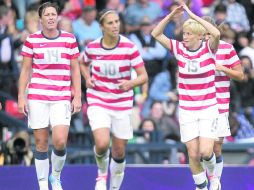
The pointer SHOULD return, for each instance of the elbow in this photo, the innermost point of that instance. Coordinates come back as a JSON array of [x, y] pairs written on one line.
[[153, 33], [241, 76]]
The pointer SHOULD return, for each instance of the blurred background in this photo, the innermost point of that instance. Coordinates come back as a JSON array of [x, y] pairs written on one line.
[[155, 114]]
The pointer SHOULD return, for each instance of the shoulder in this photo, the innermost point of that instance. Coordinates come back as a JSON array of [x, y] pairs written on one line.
[[67, 35], [37, 34], [126, 42], [225, 45], [94, 44]]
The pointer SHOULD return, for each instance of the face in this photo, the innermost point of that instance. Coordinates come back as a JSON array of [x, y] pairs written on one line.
[[157, 110], [148, 126], [111, 25], [146, 29], [90, 16], [49, 18], [65, 24], [191, 40], [246, 63]]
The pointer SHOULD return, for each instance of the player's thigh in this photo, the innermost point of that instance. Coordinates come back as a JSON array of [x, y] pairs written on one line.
[[99, 118], [60, 114], [207, 128], [188, 125], [38, 114], [121, 125]]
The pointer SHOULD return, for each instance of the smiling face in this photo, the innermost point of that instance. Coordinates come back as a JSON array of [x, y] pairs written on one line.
[[49, 18], [111, 25]]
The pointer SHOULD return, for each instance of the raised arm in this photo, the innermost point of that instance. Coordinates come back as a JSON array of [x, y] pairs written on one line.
[[157, 32], [215, 33]]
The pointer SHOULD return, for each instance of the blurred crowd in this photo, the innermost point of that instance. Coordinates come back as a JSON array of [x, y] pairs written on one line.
[[156, 103]]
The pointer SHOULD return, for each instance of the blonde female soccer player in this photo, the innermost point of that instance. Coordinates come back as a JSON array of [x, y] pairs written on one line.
[[196, 84]]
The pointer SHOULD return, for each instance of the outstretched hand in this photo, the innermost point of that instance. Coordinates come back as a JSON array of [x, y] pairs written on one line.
[[178, 11]]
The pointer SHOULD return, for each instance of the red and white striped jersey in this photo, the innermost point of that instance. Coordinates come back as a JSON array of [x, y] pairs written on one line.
[[226, 56], [196, 79], [108, 66], [51, 69]]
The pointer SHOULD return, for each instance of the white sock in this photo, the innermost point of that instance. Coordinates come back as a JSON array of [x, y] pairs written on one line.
[[117, 174], [210, 165], [42, 169], [218, 166], [102, 163], [200, 180], [57, 162]]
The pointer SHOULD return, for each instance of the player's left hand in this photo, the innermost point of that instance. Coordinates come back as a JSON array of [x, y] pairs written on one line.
[[125, 85], [76, 105]]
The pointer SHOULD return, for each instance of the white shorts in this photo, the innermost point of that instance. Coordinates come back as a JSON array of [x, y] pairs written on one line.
[[41, 115], [201, 123], [119, 122], [223, 128]]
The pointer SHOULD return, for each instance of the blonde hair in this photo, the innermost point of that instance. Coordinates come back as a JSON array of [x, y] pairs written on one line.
[[194, 26]]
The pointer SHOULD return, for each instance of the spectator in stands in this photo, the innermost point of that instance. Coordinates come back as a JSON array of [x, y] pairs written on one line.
[[219, 13], [249, 50], [198, 110], [148, 128], [242, 41], [236, 16], [107, 66], [150, 50], [8, 65], [166, 125], [50, 67], [246, 88], [160, 90], [116, 5], [137, 11], [32, 22], [65, 24], [86, 28]]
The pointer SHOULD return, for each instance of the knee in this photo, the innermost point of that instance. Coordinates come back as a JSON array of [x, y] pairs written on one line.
[[41, 145], [118, 152], [60, 144], [206, 154], [102, 146]]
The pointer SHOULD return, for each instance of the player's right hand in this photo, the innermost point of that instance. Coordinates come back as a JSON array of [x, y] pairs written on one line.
[[22, 106]]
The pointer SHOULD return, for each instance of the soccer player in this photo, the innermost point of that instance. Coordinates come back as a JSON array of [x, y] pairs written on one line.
[[227, 66], [198, 109], [50, 66], [111, 59]]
